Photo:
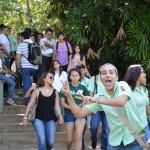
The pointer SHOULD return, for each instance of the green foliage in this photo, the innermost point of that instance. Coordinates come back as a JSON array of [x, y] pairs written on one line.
[[13, 13], [138, 44], [93, 24]]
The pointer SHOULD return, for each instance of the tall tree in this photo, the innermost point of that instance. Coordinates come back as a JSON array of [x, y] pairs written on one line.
[[29, 12]]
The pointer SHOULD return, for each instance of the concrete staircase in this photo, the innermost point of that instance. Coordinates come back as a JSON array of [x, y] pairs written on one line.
[[13, 136]]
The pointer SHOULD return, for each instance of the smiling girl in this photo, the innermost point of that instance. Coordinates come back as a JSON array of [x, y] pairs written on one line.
[[116, 94]]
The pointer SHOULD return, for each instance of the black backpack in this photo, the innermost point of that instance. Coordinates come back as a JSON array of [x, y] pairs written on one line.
[[35, 54]]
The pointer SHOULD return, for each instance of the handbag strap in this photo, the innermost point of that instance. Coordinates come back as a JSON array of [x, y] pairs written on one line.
[[37, 98], [131, 129]]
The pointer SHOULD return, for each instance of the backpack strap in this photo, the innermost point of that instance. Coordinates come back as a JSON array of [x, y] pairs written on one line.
[[57, 46], [95, 84], [29, 44], [67, 45]]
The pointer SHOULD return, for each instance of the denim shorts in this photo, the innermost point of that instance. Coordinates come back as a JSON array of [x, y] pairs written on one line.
[[70, 119]]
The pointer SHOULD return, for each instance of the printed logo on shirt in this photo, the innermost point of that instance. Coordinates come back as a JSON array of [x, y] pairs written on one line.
[[74, 94]]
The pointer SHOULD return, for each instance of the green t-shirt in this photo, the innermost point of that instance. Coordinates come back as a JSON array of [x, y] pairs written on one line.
[[74, 92], [85, 82], [13, 42], [118, 130], [92, 87], [141, 99]]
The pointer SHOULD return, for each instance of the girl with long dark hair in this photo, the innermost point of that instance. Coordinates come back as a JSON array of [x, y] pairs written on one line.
[[45, 119], [76, 58], [59, 75], [135, 77]]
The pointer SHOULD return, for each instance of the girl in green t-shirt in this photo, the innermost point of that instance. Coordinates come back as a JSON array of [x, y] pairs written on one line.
[[71, 122], [136, 78]]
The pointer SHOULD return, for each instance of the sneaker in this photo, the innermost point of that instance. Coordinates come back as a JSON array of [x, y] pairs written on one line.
[[11, 102], [93, 144]]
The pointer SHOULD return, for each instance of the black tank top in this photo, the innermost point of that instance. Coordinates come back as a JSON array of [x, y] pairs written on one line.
[[45, 109]]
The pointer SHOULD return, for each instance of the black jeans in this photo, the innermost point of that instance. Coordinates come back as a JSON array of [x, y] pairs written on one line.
[[45, 66], [65, 68]]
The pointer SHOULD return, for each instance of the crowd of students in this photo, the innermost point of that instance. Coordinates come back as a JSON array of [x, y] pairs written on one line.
[[67, 93]]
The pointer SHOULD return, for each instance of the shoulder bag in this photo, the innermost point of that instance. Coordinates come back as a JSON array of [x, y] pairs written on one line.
[[32, 112]]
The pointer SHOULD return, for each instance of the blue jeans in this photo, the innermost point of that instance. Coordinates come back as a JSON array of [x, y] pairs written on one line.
[[11, 82], [26, 74], [147, 131], [7, 62], [133, 146], [94, 125], [45, 131]]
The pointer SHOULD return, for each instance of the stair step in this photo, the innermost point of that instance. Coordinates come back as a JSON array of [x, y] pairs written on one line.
[[30, 138], [18, 127], [15, 127], [57, 146], [14, 109], [18, 100], [11, 118]]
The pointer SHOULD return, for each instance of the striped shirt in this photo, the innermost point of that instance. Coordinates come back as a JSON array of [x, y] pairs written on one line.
[[22, 49]]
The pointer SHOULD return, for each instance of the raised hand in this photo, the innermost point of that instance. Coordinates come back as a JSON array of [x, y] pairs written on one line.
[[86, 99], [65, 89]]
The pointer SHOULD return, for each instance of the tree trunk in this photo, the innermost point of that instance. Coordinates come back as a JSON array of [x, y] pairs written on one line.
[[29, 12]]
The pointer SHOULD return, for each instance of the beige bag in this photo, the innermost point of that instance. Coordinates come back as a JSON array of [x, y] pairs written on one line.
[[32, 112]]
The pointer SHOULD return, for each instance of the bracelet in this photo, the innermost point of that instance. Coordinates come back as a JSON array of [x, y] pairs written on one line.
[[59, 116]]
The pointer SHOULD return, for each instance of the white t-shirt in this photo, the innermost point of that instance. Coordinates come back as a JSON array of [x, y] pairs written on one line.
[[22, 49], [5, 41], [57, 84], [51, 42], [47, 51]]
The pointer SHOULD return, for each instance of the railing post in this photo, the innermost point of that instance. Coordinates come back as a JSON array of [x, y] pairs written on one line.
[[1, 97]]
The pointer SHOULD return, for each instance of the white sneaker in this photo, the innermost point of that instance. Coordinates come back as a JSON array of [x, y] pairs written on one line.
[[11, 102]]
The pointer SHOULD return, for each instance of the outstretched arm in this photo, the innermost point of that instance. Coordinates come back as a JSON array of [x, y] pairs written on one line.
[[117, 101]]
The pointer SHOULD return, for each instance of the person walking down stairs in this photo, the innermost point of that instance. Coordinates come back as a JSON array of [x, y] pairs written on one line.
[[45, 119]]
